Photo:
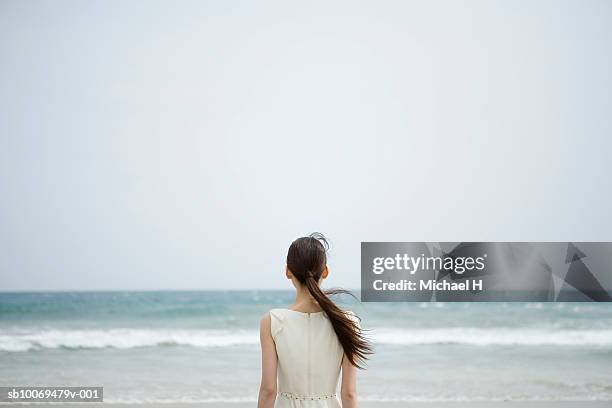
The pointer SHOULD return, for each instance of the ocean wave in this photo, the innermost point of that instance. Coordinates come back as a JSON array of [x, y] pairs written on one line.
[[577, 392], [19, 341], [494, 337], [366, 398], [125, 339], [381, 398]]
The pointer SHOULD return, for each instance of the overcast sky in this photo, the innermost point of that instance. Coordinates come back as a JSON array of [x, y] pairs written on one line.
[[184, 145]]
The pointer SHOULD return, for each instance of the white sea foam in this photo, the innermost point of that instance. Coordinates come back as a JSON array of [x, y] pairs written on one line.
[[367, 398], [125, 338], [131, 338], [494, 337]]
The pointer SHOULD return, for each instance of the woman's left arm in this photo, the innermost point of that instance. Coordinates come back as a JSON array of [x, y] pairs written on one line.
[[269, 360]]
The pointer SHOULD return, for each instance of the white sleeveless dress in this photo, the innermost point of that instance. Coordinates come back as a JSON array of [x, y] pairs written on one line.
[[309, 359]]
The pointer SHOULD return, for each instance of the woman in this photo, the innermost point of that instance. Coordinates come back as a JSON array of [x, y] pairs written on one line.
[[311, 342]]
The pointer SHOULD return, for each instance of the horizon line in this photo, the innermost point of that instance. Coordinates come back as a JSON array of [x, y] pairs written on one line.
[[24, 291]]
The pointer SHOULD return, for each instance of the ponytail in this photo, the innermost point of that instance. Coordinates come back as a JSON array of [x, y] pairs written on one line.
[[306, 260]]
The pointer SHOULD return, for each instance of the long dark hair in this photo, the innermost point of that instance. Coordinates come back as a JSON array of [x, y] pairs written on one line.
[[306, 259]]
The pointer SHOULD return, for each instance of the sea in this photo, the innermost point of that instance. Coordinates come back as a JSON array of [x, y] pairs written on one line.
[[203, 346]]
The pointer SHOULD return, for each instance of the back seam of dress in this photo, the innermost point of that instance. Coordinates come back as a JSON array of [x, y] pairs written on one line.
[[308, 382]]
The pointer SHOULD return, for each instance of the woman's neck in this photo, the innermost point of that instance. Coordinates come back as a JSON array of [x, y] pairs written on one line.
[[304, 302]]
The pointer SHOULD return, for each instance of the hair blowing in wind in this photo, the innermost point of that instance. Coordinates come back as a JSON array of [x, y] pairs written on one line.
[[306, 259]]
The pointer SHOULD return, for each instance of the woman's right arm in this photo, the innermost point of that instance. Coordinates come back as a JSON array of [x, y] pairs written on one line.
[[348, 388], [269, 360]]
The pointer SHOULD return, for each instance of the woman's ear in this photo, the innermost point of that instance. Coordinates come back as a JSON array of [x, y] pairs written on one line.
[[288, 273], [325, 272]]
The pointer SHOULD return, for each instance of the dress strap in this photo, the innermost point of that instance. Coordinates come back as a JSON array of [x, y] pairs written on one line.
[[277, 322]]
